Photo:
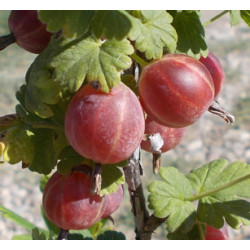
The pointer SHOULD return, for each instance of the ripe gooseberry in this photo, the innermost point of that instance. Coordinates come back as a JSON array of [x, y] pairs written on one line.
[[216, 234], [216, 70], [27, 31], [113, 202], [176, 90], [68, 203], [171, 136], [105, 127]]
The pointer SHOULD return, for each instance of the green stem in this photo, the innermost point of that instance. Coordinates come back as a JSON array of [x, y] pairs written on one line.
[[215, 18], [201, 232], [45, 124], [202, 195], [139, 60]]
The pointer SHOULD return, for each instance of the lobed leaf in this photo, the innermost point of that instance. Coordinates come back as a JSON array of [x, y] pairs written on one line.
[[111, 24], [152, 32], [223, 190], [91, 59], [168, 198], [191, 33], [73, 23]]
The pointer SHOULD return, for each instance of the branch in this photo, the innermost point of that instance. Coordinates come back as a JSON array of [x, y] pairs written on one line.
[[145, 225]]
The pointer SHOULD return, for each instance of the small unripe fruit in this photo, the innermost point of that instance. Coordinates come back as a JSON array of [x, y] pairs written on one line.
[[176, 90], [105, 127]]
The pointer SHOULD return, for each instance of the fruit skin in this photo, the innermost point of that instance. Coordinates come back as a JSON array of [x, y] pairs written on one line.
[[106, 128], [216, 234], [216, 70], [68, 203], [29, 32], [113, 202], [176, 90], [171, 136]]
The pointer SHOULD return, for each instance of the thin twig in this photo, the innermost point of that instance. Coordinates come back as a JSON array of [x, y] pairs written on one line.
[[144, 224]]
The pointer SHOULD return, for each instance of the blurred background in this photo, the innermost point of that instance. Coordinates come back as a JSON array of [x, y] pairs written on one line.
[[208, 139]]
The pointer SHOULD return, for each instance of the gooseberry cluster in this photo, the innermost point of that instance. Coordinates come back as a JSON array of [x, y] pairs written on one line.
[[107, 128]]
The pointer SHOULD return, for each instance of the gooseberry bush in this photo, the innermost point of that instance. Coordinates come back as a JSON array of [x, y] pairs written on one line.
[[105, 85]]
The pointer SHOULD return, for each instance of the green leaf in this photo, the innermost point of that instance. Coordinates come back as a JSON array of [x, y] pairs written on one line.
[[168, 198], [44, 159], [79, 235], [152, 31], [37, 235], [111, 235], [111, 177], [235, 17], [111, 24], [73, 23], [41, 91], [245, 15], [130, 81], [17, 144], [191, 235], [22, 237], [17, 219], [68, 159], [91, 59], [43, 181], [222, 190], [191, 33], [8, 121]]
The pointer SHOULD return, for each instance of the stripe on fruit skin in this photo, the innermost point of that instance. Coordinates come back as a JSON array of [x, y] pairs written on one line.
[[193, 68]]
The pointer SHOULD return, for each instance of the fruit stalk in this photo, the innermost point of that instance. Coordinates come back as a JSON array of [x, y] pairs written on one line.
[[96, 179], [62, 234], [201, 232], [216, 109]]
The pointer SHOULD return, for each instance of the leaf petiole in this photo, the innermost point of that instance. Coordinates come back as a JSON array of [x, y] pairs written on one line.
[[215, 18], [201, 232], [45, 124], [139, 60], [204, 194]]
